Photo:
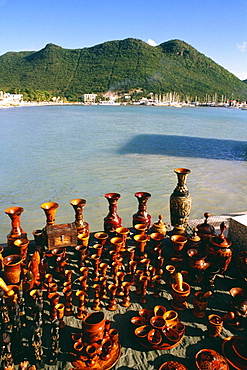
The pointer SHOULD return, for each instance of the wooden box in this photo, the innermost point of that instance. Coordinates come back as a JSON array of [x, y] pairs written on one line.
[[59, 236]]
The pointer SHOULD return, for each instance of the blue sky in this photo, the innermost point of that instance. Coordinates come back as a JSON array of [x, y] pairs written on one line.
[[216, 28]]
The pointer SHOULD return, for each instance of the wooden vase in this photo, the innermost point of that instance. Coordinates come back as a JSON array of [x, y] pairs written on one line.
[[180, 200], [50, 209], [141, 216], [81, 226], [16, 232], [112, 220]]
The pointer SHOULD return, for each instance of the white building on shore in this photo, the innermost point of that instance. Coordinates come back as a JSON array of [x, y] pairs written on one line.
[[89, 98], [7, 99]]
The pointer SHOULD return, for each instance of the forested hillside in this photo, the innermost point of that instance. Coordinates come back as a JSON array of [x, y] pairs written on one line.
[[123, 65]]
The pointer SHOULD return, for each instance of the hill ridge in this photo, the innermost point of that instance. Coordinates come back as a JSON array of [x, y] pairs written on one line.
[[119, 65]]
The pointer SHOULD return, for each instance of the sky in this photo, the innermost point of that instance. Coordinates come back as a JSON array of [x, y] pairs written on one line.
[[216, 28]]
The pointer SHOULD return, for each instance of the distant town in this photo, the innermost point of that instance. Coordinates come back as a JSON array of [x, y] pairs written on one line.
[[114, 99]]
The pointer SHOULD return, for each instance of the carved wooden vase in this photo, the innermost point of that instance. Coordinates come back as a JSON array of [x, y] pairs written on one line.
[[180, 200], [50, 209], [141, 216], [81, 225], [16, 232], [112, 220]]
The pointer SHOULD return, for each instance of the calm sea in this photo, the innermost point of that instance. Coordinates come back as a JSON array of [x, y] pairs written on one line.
[[61, 153]]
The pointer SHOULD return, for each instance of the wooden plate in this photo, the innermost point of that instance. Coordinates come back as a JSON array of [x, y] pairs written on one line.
[[212, 360], [229, 355]]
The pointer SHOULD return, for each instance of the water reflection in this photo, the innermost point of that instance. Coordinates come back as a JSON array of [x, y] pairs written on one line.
[[186, 146]]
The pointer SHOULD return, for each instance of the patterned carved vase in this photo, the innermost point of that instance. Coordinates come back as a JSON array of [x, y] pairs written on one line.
[[112, 220], [180, 200], [141, 216]]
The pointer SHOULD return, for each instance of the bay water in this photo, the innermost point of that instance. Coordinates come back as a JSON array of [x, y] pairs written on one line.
[[58, 153]]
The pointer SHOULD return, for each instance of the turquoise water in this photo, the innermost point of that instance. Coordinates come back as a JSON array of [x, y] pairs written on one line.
[[59, 153]]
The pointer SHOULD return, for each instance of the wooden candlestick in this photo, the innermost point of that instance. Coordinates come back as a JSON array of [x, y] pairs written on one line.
[[81, 310], [96, 302], [126, 297], [113, 303]]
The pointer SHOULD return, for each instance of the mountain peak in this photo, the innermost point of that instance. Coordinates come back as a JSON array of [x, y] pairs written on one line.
[[52, 46], [178, 47]]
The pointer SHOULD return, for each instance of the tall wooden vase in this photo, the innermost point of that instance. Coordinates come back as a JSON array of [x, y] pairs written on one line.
[[16, 232], [81, 225], [180, 200], [50, 209], [141, 216], [112, 220]]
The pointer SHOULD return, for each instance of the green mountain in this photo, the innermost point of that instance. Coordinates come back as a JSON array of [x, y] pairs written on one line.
[[123, 65]]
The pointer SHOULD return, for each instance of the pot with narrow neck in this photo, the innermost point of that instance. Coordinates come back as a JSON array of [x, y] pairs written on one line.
[[50, 209], [141, 216], [16, 232], [112, 220], [81, 225], [180, 200]]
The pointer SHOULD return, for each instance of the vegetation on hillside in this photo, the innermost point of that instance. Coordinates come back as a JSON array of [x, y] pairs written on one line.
[[123, 66]]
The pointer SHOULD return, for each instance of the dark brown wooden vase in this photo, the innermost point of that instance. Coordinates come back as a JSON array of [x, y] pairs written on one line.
[[141, 216], [180, 200], [112, 220]]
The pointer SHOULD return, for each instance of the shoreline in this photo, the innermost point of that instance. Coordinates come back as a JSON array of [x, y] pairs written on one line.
[[45, 104], [35, 104]]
